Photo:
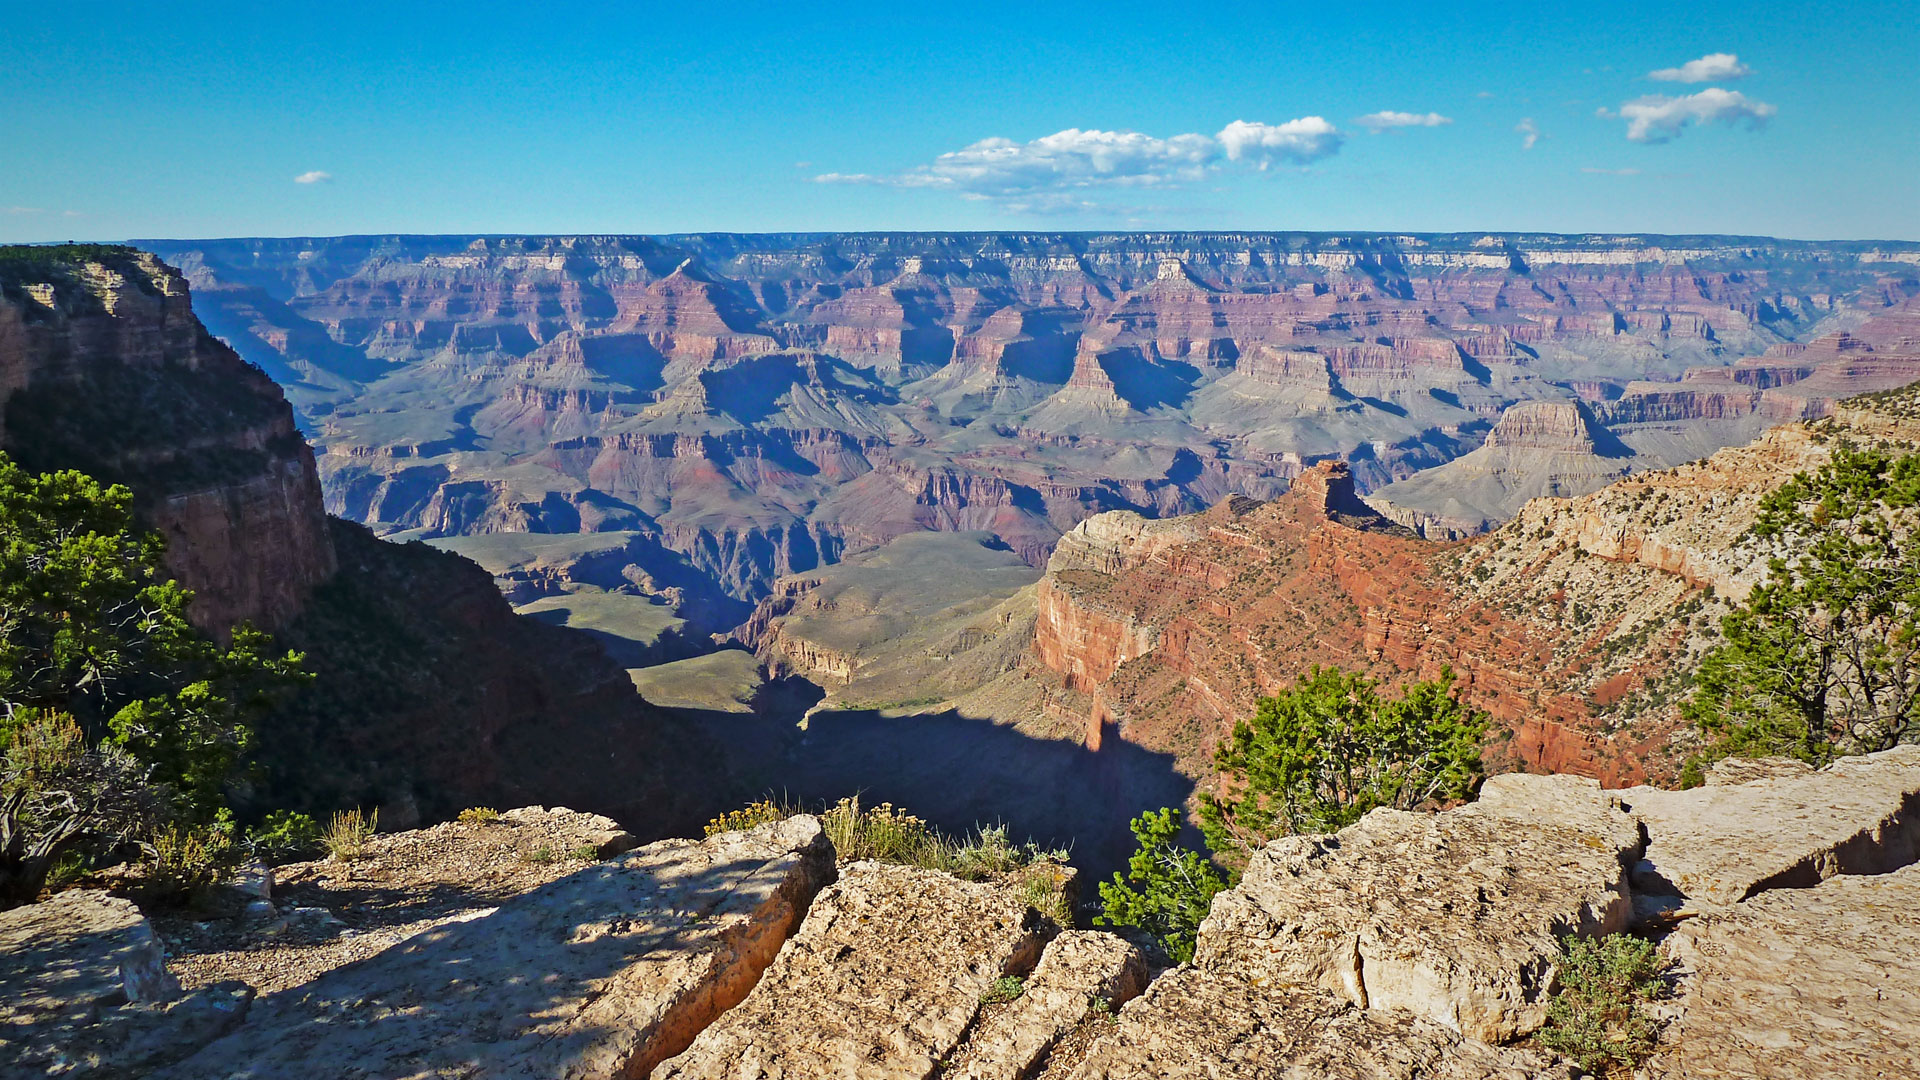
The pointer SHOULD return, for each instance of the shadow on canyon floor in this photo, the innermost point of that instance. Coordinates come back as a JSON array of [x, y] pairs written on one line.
[[956, 772]]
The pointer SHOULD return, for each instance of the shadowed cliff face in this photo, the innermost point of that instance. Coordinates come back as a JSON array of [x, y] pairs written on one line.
[[764, 405], [432, 695], [104, 368]]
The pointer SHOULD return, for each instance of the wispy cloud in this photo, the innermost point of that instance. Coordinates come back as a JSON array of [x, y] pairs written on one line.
[[317, 176], [1388, 120], [1057, 173], [26, 210], [1530, 133], [1657, 118], [1712, 67], [1593, 171]]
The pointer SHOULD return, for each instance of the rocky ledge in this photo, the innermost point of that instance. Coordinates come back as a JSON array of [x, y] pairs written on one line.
[[1407, 945]]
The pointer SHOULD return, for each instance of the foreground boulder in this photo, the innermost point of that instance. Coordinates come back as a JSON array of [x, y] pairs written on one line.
[[880, 982], [603, 973], [1456, 917], [1789, 827], [1801, 983], [1207, 1025], [84, 992]]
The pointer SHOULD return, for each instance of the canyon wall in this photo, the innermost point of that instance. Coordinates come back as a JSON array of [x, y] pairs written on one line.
[[431, 695], [1576, 625], [104, 368], [764, 405]]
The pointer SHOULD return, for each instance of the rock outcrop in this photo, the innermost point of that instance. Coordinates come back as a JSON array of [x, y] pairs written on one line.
[[1196, 1025], [1453, 917], [85, 993], [1801, 982], [604, 973], [1081, 976], [1726, 842], [881, 981]]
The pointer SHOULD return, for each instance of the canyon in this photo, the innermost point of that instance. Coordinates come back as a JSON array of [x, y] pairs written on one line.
[[751, 406]]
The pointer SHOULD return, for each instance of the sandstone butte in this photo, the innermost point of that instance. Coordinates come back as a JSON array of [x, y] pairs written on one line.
[[1407, 945]]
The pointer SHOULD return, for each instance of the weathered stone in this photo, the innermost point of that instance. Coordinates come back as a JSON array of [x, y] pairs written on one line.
[[1792, 829], [84, 991], [881, 981], [1208, 1025], [1455, 916], [1817, 983], [603, 973], [1080, 973], [604, 833]]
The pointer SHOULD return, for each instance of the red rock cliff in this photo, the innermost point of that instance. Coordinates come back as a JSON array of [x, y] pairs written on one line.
[[103, 367]]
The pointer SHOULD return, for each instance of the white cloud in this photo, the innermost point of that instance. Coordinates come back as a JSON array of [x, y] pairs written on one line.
[[314, 177], [1530, 130], [1591, 170], [26, 210], [1388, 120], [1657, 118], [1051, 174], [1709, 68], [1297, 141]]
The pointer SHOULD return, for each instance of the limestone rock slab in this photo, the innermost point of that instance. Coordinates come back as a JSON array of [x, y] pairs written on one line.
[[84, 992], [881, 981], [1455, 916], [1204, 1025], [1791, 828], [1080, 972], [1819, 983], [602, 973]]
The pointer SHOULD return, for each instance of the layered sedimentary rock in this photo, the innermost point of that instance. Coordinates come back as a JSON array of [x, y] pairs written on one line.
[[104, 368], [431, 695], [1575, 625], [1538, 448], [761, 405]]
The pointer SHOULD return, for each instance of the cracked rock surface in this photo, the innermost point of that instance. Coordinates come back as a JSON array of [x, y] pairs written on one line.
[[601, 973], [1205, 1025], [1455, 917], [881, 981], [1791, 827], [1081, 973], [1801, 983]]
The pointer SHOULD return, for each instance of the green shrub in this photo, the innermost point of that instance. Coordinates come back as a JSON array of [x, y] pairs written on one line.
[[1823, 658], [1596, 1018], [285, 836], [1319, 755], [483, 815], [348, 833], [1004, 989], [1168, 889]]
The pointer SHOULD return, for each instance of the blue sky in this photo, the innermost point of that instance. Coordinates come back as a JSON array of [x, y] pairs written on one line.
[[194, 120]]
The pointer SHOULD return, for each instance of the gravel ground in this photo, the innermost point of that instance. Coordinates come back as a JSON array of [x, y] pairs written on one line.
[[331, 912]]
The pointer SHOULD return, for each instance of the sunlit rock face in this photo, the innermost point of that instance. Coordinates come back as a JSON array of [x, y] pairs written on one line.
[[762, 405]]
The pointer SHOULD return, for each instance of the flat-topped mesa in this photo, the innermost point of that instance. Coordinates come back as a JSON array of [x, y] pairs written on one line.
[[1564, 426], [1326, 490], [104, 368]]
